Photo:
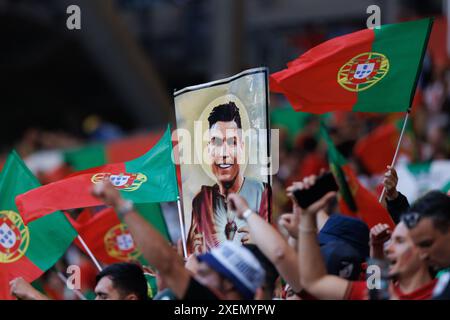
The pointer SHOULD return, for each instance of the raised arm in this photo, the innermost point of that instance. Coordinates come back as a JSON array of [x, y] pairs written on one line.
[[155, 249], [269, 241], [379, 234], [313, 274], [396, 203], [22, 290]]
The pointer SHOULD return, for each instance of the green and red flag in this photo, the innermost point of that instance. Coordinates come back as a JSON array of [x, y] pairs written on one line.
[[149, 178], [354, 199], [372, 70], [109, 239], [121, 150], [27, 250]]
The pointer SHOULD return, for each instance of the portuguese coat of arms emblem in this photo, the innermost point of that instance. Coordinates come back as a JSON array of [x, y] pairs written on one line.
[[363, 71], [122, 181], [119, 243], [14, 237]]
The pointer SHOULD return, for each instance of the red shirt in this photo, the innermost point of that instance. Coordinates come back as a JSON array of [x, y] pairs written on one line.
[[358, 291]]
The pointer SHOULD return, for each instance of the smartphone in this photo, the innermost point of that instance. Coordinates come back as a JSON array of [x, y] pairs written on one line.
[[324, 184]]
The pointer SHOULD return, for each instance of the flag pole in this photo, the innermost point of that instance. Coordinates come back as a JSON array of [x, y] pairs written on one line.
[[89, 252], [396, 151], [183, 236], [76, 291], [180, 210]]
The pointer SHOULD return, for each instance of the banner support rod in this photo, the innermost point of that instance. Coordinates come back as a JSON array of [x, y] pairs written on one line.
[[89, 252]]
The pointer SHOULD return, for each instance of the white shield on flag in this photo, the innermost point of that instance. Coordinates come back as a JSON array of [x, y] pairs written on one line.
[[125, 242], [118, 180], [7, 236], [363, 70]]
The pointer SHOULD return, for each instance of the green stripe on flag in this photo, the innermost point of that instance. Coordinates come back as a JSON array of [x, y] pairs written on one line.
[[159, 170], [50, 236], [48, 230], [153, 214], [86, 157], [404, 45]]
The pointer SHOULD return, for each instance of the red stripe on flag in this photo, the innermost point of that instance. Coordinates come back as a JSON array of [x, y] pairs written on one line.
[[21, 268], [310, 81], [4, 287], [377, 148], [369, 209], [72, 192], [94, 231]]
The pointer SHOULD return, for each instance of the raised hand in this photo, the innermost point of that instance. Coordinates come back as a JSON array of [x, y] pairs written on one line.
[[198, 243], [314, 208], [105, 191], [290, 222], [390, 181], [24, 291], [379, 234], [246, 237], [237, 204]]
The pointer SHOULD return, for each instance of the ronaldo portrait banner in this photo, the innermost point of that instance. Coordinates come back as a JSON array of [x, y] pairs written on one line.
[[223, 137]]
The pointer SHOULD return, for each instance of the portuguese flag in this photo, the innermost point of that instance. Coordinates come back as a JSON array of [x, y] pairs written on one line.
[[109, 239], [27, 251], [367, 71], [354, 199], [149, 178]]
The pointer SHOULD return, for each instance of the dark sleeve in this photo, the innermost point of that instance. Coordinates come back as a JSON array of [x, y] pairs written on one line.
[[196, 291], [397, 207]]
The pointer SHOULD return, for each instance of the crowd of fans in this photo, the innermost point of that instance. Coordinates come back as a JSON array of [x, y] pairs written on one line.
[[309, 253]]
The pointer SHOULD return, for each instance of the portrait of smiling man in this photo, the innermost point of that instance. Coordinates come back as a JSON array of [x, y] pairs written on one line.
[[213, 221]]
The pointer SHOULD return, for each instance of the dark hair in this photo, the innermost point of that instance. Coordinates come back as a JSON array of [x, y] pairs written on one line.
[[435, 205], [127, 278], [269, 268], [225, 112]]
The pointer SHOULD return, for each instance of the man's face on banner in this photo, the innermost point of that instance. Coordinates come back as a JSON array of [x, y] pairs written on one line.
[[225, 147]]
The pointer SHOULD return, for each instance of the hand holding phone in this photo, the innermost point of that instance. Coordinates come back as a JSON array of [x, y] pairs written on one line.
[[324, 184]]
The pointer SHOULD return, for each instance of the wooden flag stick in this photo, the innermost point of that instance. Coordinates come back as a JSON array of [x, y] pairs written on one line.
[[89, 253], [64, 279], [183, 236], [396, 151]]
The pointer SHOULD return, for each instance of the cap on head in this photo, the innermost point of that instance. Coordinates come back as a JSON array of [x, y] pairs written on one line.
[[342, 259], [238, 265], [353, 231]]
